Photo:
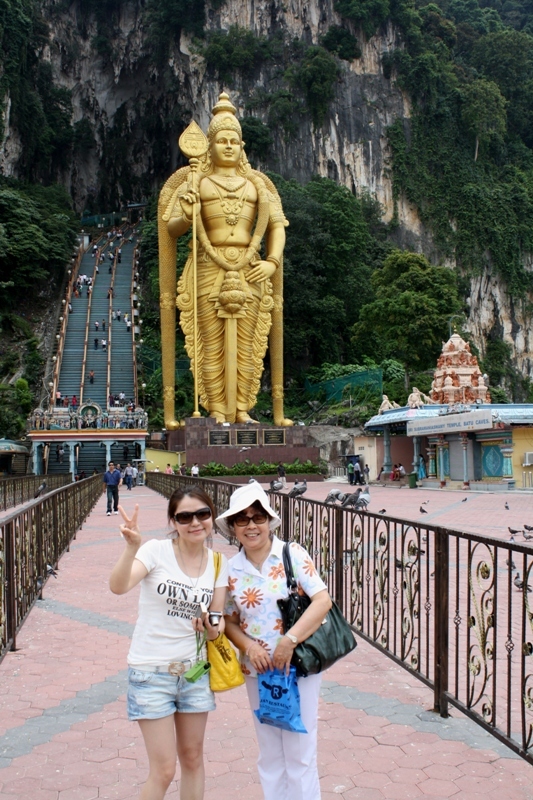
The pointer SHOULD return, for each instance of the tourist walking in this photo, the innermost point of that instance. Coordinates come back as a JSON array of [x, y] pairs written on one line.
[[169, 638], [112, 481]]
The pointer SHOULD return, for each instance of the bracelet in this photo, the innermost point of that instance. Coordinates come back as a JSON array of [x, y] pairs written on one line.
[[247, 651], [274, 260]]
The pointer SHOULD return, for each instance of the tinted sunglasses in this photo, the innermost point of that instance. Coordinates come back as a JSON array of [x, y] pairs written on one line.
[[186, 517], [242, 520]]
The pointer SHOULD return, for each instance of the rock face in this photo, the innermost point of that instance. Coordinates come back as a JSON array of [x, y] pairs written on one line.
[[136, 110]]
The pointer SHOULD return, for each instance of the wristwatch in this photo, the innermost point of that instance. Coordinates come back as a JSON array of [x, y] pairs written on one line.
[[292, 637]]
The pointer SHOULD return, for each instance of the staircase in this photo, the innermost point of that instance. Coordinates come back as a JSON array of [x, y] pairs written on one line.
[[114, 369], [122, 377]]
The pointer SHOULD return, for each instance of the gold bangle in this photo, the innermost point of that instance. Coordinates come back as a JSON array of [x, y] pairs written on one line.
[[274, 260]]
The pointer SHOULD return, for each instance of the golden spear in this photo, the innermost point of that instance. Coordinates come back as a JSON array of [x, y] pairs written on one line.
[[193, 144]]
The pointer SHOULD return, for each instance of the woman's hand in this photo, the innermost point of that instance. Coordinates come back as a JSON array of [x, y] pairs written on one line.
[[259, 657], [130, 530], [283, 654], [261, 271]]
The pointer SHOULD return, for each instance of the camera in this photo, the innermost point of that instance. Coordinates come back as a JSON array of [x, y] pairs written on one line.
[[197, 671], [214, 618]]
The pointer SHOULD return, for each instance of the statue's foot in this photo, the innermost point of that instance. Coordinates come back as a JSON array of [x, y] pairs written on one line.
[[220, 418], [242, 416], [283, 422], [173, 425]]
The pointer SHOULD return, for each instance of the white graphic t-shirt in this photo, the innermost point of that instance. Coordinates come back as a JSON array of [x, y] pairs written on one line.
[[167, 604]]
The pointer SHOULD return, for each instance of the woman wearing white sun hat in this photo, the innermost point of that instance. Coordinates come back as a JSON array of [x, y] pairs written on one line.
[[287, 761]]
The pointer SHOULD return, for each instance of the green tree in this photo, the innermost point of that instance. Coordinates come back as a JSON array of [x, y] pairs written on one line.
[[329, 256], [484, 111], [409, 316]]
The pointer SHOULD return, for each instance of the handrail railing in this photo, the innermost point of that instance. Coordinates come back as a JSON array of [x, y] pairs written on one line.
[[20, 489], [110, 326], [88, 324], [453, 608], [32, 539], [134, 285]]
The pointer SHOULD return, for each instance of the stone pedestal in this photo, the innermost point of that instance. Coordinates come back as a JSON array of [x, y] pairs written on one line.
[[229, 444]]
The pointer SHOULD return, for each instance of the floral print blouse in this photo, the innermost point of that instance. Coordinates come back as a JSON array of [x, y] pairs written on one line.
[[253, 595]]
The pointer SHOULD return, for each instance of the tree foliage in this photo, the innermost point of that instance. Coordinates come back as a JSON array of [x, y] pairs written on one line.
[[36, 237], [409, 315]]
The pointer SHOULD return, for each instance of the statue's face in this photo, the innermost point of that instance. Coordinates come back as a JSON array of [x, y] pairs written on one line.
[[226, 149]]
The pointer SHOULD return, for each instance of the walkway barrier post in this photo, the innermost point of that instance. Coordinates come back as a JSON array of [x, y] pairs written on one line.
[[441, 622]]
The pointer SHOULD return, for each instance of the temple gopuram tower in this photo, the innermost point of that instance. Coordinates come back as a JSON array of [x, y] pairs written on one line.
[[458, 378]]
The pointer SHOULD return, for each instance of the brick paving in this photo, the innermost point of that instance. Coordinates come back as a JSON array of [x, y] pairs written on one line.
[[63, 728]]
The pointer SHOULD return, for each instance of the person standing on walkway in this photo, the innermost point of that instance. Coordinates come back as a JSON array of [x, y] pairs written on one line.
[[169, 637], [96, 343], [195, 471], [357, 473], [350, 472], [119, 314], [96, 325], [169, 470], [104, 345], [128, 476], [112, 481], [91, 376], [287, 761], [366, 470], [103, 324]]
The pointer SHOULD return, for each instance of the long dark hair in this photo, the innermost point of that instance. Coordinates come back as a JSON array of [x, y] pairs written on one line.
[[193, 491]]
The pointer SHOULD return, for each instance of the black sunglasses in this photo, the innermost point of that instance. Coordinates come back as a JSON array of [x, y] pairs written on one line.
[[242, 520], [186, 517]]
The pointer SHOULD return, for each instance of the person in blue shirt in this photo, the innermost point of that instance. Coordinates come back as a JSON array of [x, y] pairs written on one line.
[[112, 480]]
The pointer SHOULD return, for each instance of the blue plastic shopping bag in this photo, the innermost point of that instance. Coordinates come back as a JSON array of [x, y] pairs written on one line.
[[279, 700]]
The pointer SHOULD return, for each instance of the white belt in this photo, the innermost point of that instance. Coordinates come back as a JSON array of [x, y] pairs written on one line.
[[175, 668]]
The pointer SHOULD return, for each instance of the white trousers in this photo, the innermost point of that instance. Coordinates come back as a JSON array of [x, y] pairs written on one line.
[[287, 761]]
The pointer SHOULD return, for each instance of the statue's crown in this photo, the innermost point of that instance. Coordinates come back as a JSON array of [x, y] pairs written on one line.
[[224, 118]]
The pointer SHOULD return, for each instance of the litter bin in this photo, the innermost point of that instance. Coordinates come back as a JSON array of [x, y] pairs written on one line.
[[413, 477]]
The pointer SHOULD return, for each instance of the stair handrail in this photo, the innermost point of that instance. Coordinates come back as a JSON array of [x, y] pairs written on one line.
[[134, 285], [87, 324], [110, 311]]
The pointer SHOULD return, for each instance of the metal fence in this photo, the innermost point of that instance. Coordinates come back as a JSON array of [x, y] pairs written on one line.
[[14, 491], [32, 539], [453, 608]]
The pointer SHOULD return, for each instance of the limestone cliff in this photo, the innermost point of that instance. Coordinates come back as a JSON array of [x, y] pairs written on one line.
[[136, 110]]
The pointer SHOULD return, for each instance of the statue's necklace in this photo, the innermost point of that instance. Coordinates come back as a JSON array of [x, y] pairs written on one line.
[[231, 203]]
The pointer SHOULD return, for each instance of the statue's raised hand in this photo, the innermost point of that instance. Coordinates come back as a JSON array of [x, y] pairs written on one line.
[[187, 202], [130, 529]]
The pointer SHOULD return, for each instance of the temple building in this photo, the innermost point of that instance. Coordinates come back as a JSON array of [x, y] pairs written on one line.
[[455, 436]]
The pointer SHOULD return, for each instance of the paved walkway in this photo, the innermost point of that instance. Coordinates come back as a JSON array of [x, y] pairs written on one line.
[[63, 728]]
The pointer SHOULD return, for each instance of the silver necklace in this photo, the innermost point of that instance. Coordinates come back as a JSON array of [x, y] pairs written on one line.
[[193, 585]]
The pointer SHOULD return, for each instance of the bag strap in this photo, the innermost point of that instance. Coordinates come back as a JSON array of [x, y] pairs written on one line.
[[217, 558], [292, 585]]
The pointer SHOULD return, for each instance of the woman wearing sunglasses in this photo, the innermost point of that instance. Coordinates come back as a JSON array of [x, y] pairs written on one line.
[[287, 761], [177, 578]]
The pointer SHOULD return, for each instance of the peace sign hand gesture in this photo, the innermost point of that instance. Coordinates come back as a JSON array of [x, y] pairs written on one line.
[[130, 530]]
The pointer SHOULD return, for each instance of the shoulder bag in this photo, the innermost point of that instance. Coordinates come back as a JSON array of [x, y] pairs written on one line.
[[225, 672], [330, 642]]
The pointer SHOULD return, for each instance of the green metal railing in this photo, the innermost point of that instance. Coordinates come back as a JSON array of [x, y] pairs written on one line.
[[32, 539]]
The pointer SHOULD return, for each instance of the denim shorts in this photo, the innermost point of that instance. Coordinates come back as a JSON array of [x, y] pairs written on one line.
[[153, 695]]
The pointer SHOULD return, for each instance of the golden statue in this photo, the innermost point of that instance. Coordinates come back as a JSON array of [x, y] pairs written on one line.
[[230, 300]]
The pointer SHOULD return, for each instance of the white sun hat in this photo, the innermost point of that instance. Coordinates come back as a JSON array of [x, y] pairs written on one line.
[[242, 499]]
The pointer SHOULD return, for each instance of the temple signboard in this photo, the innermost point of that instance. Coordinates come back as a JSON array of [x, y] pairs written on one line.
[[451, 423]]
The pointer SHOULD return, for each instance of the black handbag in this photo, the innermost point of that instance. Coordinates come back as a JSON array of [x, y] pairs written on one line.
[[333, 639]]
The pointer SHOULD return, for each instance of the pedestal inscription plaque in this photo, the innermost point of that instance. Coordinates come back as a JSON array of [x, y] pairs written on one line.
[[218, 438], [246, 437], [274, 437]]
